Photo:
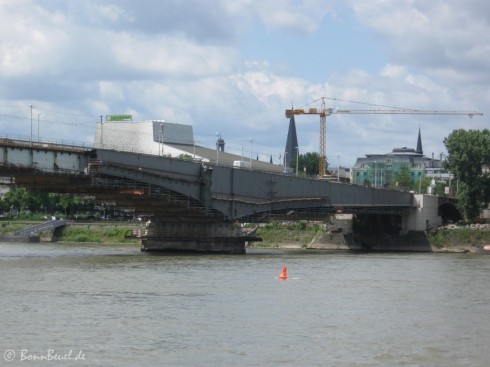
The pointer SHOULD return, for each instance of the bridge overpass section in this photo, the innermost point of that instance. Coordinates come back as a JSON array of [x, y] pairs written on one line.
[[193, 205]]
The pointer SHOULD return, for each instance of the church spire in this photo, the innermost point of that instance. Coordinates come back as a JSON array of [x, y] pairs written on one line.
[[291, 143], [419, 144]]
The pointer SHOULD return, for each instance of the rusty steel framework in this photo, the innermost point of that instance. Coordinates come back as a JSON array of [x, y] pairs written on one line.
[[178, 189]]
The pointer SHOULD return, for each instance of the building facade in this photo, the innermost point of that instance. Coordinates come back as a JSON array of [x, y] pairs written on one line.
[[151, 136], [383, 170]]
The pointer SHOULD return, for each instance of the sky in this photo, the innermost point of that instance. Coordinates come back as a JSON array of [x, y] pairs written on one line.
[[233, 67]]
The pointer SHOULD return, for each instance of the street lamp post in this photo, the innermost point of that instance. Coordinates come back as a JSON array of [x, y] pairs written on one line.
[[338, 168], [31, 127], [251, 146], [39, 114], [218, 135], [161, 138], [101, 133], [375, 182]]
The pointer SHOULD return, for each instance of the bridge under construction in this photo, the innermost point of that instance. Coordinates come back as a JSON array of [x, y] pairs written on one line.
[[196, 206]]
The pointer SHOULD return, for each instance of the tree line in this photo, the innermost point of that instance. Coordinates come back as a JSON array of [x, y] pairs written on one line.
[[18, 202], [469, 160]]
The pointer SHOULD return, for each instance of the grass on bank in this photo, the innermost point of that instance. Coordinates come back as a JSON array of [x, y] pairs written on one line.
[[303, 233], [8, 227], [110, 235], [116, 234], [459, 237], [300, 232]]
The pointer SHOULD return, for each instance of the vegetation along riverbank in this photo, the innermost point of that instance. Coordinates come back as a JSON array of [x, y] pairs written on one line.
[[76, 232], [291, 235], [452, 238]]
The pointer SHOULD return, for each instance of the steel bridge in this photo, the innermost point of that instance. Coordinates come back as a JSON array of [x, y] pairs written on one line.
[[190, 202]]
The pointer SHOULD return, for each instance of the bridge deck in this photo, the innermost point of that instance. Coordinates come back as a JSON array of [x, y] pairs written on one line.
[[180, 188]]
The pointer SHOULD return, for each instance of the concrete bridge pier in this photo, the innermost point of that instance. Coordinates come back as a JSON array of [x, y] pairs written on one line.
[[214, 237], [423, 216]]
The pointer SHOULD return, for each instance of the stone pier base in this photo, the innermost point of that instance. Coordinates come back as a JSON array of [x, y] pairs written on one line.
[[230, 245], [194, 237]]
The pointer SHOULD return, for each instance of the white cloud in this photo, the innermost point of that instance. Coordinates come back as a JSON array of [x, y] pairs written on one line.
[[267, 87], [301, 17], [108, 13], [173, 57], [30, 40], [185, 62], [435, 35], [394, 71]]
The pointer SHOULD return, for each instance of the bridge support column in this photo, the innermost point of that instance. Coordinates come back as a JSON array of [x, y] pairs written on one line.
[[424, 216], [213, 237]]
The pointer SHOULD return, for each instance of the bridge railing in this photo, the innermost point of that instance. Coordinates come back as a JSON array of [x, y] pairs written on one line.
[[50, 142]]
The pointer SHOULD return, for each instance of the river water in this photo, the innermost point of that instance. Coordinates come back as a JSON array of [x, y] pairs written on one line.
[[104, 305]]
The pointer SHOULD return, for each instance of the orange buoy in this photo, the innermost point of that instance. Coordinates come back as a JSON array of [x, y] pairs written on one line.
[[283, 274]]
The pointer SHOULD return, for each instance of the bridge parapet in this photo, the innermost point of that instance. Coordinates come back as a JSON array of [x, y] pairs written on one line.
[[43, 156]]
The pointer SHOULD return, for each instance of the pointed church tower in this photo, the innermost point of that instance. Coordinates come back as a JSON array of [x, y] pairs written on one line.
[[291, 143], [419, 144]]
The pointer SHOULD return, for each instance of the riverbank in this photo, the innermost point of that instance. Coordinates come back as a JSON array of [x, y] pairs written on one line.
[[80, 232], [288, 235], [451, 239]]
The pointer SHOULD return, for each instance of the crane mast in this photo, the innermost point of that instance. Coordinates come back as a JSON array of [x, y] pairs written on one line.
[[323, 139], [324, 112]]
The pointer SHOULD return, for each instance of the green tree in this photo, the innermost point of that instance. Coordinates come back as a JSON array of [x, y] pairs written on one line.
[[422, 185], [18, 198], [309, 161], [69, 202], [403, 180], [468, 153], [486, 188], [186, 157], [440, 188], [38, 201]]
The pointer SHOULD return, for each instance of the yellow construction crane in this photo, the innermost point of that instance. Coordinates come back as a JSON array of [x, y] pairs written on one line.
[[324, 112]]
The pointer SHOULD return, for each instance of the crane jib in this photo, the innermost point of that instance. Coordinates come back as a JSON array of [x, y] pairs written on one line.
[[408, 112], [330, 111], [323, 112]]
